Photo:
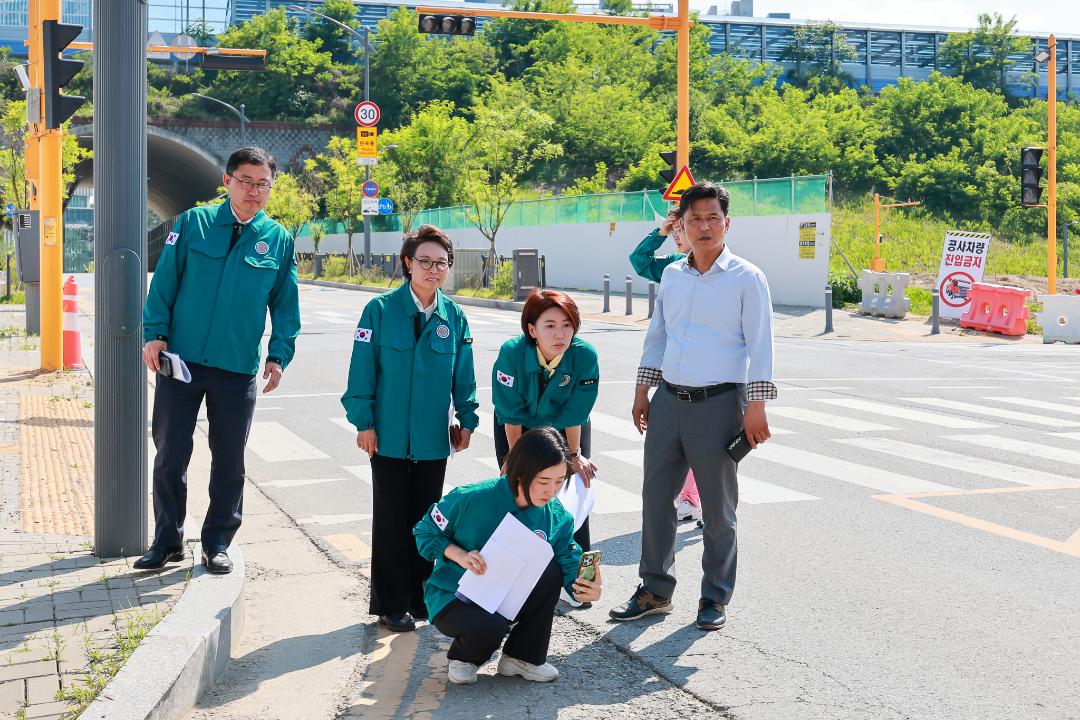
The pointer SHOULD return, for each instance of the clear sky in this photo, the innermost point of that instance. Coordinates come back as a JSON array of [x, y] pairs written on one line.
[[1058, 16]]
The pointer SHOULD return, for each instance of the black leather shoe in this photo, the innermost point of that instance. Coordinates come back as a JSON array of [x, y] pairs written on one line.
[[710, 615], [217, 562], [156, 557], [398, 622]]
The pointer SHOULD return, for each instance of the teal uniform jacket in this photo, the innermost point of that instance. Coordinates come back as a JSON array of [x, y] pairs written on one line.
[[644, 259], [402, 386], [468, 516], [568, 397], [211, 302]]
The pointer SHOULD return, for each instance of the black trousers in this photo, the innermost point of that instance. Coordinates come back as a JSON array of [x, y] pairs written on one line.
[[403, 491], [502, 449], [230, 405], [477, 633]]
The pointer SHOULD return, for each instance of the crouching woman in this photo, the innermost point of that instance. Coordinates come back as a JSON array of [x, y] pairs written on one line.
[[454, 530]]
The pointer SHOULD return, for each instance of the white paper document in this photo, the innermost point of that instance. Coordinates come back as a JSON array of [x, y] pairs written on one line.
[[577, 499], [180, 369], [515, 558]]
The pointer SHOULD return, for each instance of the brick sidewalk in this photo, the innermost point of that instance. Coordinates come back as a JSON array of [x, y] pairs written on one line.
[[64, 614]]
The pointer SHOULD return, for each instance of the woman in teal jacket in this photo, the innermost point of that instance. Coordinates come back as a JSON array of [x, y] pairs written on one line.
[[455, 529], [412, 356], [547, 376]]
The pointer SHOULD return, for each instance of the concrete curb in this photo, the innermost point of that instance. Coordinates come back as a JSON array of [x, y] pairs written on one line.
[[183, 655], [459, 299]]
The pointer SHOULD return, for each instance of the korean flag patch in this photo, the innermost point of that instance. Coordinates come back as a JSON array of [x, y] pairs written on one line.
[[172, 238], [363, 335], [438, 517], [507, 380]]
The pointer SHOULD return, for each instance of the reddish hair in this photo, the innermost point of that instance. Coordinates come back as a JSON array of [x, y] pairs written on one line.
[[539, 302]]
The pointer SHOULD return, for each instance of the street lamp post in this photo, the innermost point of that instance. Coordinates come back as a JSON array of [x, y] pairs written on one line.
[[365, 40], [238, 112]]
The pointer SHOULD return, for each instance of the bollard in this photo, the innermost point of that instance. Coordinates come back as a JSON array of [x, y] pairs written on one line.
[[316, 266], [7, 278], [607, 293], [828, 309], [629, 295], [935, 329], [652, 298]]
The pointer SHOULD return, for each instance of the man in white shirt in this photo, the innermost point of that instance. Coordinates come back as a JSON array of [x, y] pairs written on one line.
[[709, 349]]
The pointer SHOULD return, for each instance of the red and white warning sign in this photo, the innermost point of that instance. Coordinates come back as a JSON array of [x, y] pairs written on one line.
[[963, 262]]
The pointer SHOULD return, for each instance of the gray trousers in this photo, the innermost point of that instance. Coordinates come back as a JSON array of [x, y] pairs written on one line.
[[682, 436]]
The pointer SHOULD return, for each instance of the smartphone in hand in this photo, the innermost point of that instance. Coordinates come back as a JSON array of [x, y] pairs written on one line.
[[590, 560]]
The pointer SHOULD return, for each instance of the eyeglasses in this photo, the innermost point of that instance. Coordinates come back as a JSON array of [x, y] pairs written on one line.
[[261, 188], [426, 264]]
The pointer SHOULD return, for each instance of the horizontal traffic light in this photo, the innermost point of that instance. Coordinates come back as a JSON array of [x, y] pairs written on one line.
[[218, 61], [446, 24]]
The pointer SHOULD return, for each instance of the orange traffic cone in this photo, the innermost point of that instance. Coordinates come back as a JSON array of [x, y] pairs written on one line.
[[72, 339]]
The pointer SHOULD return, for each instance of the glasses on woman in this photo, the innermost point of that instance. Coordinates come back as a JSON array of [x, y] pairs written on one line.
[[248, 185], [427, 264]]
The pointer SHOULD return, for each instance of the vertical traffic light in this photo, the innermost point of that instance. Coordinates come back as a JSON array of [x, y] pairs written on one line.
[[55, 36], [1030, 176], [669, 174], [446, 24]]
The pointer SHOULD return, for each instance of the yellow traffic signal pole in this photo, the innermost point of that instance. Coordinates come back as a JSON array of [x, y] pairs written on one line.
[[1051, 169], [878, 263], [681, 24], [51, 204]]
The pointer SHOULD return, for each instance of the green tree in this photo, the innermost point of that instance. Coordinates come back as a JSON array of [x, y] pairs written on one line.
[[431, 151], [290, 204], [819, 52], [591, 185], [983, 55], [330, 37], [344, 182]]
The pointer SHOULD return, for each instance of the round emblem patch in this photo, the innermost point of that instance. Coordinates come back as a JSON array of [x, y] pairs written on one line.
[[442, 331], [262, 248], [540, 534], [565, 381]]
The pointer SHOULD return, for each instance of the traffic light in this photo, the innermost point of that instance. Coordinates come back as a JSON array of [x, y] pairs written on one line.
[[446, 24], [217, 61], [55, 36], [669, 158], [1030, 176]]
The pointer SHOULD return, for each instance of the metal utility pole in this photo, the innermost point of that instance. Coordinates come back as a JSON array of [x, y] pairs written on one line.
[[1051, 168], [120, 483]]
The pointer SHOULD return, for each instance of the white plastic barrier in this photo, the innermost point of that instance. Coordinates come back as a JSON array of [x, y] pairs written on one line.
[[883, 294], [1060, 318]]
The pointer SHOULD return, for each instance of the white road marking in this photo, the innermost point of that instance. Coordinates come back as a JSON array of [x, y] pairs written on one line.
[[619, 427], [843, 470], [896, 411], [487, 422], [634, 457], [297, 483], [1043, 452], [994, 412], [269, 407], [334, 519], [956, 461], [307, 395], [359, 471], [836, 422], [273, 442], [966, 387], [489, 462], [611, 499], [1068, 435], [788, 388], [758, 492], [344, 425], [1038, 404]]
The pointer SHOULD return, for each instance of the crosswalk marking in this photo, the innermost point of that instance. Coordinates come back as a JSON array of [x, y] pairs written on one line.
[[956, 461], [334, 519], [359, 471], [1039, 404], [350, 546], [619, 427], [273, 442], [611, 499], [487, 422], [843, 470], [751, 491], [297, 483], [344, 425], [1068, 435], [994, 412], [1043, 452], [826, 419], [897, 411], [489, 462]]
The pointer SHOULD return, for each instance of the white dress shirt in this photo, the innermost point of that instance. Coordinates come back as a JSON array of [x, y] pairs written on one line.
[[420, 306]]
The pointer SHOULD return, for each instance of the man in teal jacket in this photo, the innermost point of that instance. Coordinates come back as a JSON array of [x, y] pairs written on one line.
[[222, 267]]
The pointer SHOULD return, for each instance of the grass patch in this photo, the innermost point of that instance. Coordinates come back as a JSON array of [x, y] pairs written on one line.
[[922, 302], [487, 293], [17, 297]]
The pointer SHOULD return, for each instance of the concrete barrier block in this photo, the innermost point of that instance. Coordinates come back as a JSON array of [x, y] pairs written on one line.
[[1060, 318], [883, 294]]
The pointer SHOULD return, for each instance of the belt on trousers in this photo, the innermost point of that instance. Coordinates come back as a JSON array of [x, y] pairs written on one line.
[[697, 394]]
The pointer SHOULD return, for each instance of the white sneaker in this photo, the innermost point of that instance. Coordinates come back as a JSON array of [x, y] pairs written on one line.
[[687, 511], [461, 672], [569, 599], [509, 667]]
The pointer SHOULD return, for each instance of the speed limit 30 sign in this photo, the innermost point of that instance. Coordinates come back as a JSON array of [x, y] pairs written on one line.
[[367, 114]]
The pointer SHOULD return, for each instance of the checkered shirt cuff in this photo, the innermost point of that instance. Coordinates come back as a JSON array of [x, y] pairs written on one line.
[[649, 376], [758, 390]]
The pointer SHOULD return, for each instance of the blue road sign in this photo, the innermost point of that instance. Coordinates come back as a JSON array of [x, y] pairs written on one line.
[[9, 209], [386, 206], [371, 188]]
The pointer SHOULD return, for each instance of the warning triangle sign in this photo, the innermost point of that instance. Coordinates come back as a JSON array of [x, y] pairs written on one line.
[[682, 182]]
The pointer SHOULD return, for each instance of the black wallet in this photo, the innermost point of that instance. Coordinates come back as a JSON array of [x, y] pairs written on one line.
[[739, 447], [164, 365]]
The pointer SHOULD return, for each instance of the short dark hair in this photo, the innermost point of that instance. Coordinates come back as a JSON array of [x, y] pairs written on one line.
[[535, 451], [704, 190], [539, 302], [251, 156], [419, 236]]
